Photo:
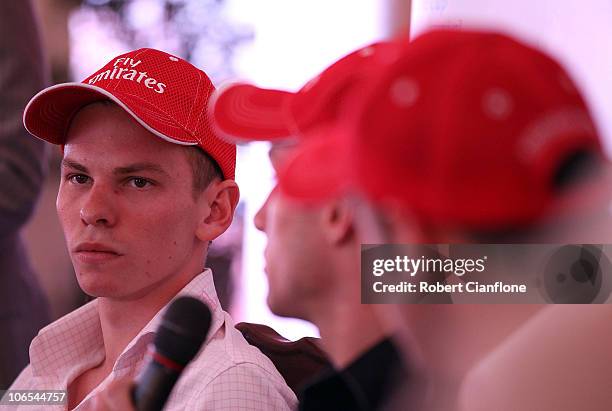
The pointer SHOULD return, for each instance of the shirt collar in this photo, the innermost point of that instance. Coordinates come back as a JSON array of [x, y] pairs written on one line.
[[201, 287], [76, 335], [75, 340]]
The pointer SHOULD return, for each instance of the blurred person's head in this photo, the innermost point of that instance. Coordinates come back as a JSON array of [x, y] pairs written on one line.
[[467, 132], [312, 252], [145, 183], [467, 137], [492, 142]]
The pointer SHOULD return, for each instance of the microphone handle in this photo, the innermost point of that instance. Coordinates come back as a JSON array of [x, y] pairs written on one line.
[[153, 388]]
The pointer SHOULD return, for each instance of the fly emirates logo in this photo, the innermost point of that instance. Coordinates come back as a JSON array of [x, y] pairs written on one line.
[[126, 69]]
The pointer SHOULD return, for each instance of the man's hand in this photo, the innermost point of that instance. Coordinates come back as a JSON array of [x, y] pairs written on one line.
[[115, 397]]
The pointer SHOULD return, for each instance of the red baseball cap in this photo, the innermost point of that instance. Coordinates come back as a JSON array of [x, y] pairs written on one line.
[[167, 95], [464, 129], [243, 112]]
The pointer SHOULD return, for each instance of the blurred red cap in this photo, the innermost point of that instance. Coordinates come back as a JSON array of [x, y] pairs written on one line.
[[465, 128], [243, 112]]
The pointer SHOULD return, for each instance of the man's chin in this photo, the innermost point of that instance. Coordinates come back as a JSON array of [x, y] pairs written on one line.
[[100, 290], [100, 285], [283, 308], [113, 294]]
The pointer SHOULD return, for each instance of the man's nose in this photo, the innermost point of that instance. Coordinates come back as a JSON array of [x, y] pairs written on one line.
[[99, 207], [260, 217]]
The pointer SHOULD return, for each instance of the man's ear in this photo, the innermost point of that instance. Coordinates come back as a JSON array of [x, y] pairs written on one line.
[[339, 218], [219, 201]]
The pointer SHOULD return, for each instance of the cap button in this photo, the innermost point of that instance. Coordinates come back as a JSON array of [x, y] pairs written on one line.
[[404, 92], [497, 103]]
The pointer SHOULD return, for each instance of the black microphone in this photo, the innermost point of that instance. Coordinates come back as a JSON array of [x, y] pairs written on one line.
[[182, 331]]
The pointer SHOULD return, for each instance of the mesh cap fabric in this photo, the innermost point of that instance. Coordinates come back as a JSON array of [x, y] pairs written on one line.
[[165, 94]]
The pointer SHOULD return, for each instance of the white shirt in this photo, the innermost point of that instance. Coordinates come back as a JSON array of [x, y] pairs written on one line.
[[227, 374]]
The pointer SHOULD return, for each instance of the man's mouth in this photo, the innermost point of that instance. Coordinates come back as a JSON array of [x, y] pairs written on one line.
[[95, 252]]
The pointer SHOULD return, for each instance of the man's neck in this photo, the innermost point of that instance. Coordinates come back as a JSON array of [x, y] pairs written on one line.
[[348, 330], [122, 319]]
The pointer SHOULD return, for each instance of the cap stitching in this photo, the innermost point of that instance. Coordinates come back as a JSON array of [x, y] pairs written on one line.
[[193, 103], [161, 110], [205, 111]]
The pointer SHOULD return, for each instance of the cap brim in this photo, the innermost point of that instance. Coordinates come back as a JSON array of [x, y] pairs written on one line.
[[49, 113], [320, 168], [243, 112]]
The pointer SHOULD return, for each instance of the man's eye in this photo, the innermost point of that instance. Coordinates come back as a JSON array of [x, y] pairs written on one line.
[[139, 182], [78, 179]]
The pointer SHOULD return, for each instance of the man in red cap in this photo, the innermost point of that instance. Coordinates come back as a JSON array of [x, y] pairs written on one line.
[[467, 137], [312, 254], [146, 185]]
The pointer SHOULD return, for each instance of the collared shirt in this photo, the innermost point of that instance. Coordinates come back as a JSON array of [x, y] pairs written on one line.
[[366, 384], [227, 374]]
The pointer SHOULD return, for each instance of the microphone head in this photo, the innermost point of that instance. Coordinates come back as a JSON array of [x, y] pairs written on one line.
[[183, 329]]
